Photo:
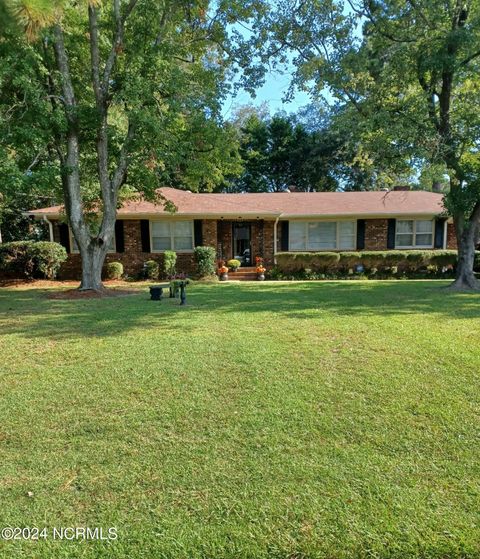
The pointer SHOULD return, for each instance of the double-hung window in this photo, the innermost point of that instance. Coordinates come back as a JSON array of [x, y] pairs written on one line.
[[411, 233], [322, 235], [171, 235]]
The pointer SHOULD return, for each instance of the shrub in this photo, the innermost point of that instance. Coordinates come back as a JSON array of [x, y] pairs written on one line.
[[379, 263], [476, 265], [443, 258], [15, 258], [47, 258], [324, 261], [349, 260], [32, 259], [169, 263], [393, 258], [417, 259], [152, 269], [274, 274], [287, 262], [114, 270], [205, 261], [373, 260], [315, 261], [234, 264]]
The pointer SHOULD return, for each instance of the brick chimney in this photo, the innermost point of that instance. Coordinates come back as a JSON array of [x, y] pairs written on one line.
[[402, 188]]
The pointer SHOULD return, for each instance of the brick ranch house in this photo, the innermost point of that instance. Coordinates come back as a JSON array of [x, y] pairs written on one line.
[[262, 224]]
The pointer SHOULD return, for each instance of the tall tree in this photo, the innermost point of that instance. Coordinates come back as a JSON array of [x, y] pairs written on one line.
[[279, 153], [411, 72], [126, 88]]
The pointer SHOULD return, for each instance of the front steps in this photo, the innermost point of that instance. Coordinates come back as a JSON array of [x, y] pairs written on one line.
[[245, 273]]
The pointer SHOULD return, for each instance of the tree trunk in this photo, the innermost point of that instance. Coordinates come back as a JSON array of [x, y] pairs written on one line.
[[465, 278], [92, 263]]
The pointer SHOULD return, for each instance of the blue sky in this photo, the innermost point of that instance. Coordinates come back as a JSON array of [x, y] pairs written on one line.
[[272, 93], [276, 86]]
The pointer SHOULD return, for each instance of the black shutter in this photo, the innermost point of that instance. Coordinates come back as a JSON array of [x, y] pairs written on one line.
[[392, 223], [360, 234], [197, 232], [284, 237], [64, 233], [439, 232], [145, 232], [119, 236]]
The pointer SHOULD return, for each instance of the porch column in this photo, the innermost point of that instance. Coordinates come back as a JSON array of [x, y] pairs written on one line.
[[209, 233]]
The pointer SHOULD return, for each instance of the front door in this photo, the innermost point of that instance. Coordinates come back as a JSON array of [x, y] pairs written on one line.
[[242, 246]]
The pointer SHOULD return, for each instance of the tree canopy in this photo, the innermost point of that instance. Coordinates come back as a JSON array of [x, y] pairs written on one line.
[[409, 72], [117, 97]]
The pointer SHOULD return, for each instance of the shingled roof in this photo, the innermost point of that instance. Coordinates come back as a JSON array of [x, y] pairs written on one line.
[[280, 204]]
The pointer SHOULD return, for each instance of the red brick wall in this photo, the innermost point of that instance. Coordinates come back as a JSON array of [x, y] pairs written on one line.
[[133, 258], [209, 233], [376, 231], [224, 239], [219, 235], [451, 237], [268, 240]]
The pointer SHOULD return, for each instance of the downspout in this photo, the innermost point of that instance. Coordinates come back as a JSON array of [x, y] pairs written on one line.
[[50, 227], [275, 240], [445, 234]]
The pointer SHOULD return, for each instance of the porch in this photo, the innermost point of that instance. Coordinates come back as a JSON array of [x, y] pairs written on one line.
[[245, 240]]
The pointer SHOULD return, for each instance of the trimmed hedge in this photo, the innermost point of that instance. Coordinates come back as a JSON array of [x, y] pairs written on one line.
[[32, 259], [205, 261], [113, 270], [152, 269], [169, 263], [297, 261], [372, 261]]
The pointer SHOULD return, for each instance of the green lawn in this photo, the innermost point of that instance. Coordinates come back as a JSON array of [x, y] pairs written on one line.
[[277, 420]]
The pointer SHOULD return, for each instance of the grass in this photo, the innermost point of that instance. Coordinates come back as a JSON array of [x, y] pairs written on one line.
[[276, 420]]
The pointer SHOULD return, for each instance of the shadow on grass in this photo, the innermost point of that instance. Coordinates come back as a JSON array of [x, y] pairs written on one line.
[[30, 313]]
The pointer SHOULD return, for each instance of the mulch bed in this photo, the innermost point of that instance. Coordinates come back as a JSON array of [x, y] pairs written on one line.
[[112, 288]]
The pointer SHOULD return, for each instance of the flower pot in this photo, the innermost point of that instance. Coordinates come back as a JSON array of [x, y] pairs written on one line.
[[260, 277], [223, 277]]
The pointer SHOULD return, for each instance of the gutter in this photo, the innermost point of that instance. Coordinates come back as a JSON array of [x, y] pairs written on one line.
[[275, 239], [254, 215], [50, 227]]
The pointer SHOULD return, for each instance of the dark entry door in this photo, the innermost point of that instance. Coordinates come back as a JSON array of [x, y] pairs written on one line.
[[242, 246]]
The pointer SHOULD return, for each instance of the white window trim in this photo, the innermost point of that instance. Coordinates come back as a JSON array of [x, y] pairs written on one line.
[[414, 246], [337, 221], [180, 251], [73, 250]]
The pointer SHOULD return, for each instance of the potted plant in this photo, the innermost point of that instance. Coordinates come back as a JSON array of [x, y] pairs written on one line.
[[260, 268], [223, 271], [233, 264]]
